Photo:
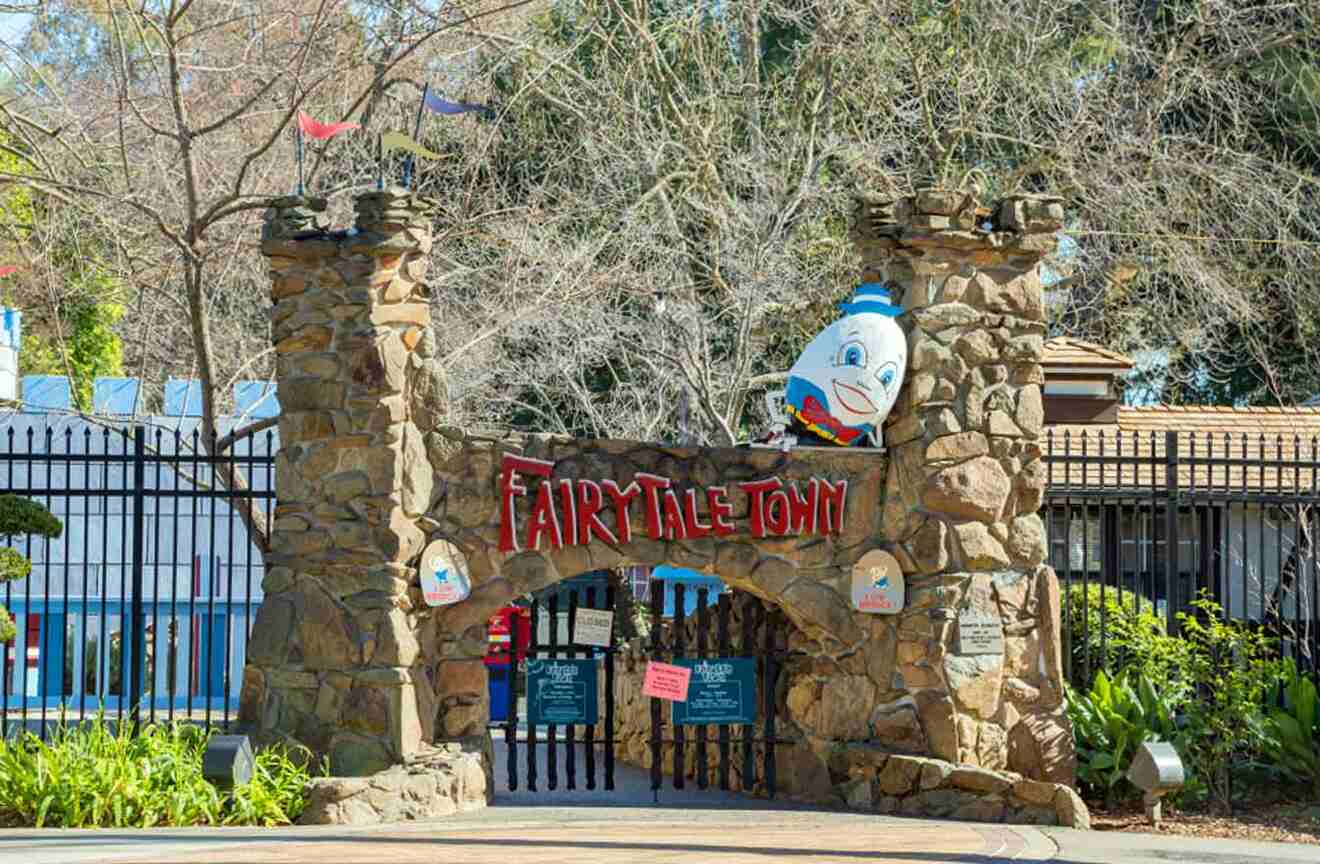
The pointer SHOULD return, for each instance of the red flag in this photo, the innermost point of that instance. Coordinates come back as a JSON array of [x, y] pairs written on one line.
[[8, 270], [321, 131]]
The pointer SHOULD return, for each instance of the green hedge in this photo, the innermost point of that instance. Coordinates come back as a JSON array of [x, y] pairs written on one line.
[[1112, 633]]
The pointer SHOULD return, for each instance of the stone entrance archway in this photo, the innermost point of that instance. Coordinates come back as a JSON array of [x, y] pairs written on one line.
[[347, 660]]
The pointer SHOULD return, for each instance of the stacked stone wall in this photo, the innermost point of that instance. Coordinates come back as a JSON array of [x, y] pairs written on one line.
[[346, 659]]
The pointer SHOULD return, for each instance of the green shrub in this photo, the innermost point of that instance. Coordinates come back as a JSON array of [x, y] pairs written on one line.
[[1110, 721], [1292, 733], [1231, 670], [91, 775], [1113, 629]]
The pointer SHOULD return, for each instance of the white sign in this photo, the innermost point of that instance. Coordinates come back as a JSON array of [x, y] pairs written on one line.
[[444, 574], [877, 584], [980, 634], [593, 627]]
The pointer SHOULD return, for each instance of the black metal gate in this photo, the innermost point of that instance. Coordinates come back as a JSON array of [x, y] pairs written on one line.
[[707, 634], [590, 734], [768, 655]]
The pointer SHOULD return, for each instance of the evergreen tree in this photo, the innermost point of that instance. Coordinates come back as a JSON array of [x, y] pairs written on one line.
[[20, 516]]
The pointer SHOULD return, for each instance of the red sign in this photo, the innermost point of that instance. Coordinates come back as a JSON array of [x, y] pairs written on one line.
[[666, 681], [568, 512]]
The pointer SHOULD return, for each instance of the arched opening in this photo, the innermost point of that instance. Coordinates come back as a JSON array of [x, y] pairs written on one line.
[[730, 730]]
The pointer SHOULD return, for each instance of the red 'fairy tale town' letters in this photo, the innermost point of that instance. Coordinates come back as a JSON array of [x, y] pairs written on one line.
[[568, 512]]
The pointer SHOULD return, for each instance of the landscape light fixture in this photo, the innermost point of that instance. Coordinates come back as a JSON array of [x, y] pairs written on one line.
[[1156, 770], [228, 761]]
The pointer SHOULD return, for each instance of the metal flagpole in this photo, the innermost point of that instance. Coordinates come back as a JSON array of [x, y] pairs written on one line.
[[417, 129], [380, 161], [298, 139]]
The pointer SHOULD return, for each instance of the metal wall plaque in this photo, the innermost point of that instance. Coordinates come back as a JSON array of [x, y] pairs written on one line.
[[877, 584], [980, 634], [722, 690], [561, 692], [443, 573]]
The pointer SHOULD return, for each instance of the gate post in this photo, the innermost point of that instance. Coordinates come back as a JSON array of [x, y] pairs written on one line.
[[1171, 558], [334, 661], [137, 621]]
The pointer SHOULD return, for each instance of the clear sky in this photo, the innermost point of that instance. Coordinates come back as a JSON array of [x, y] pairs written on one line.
[[13, 24]]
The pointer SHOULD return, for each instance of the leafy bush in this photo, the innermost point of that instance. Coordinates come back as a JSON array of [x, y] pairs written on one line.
[[1110, 721], [1113, 629], [1230, 667], [1292, 733], [91, 775]]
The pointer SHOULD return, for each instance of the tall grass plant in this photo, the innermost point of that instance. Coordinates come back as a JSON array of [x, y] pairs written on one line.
[[98, 774]]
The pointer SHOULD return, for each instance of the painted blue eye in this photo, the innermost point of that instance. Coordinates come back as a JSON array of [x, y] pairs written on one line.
[[887, 375], [852, 354]]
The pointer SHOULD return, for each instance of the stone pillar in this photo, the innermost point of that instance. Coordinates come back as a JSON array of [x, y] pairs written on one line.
[[965, 479], [334, 657]]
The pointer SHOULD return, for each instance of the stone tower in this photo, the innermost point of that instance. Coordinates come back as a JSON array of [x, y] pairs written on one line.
[[334, 656], [965, 476]]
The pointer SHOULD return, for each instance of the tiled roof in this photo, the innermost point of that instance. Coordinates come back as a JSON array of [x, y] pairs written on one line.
[[1067, 351], [1261, 450]]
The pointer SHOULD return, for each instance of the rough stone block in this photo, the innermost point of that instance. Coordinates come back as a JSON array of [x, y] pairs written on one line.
[[976, 489], [899, 775], [1071, 810], [979, 780]]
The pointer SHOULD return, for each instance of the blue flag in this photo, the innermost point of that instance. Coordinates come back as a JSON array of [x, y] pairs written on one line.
[[440, 105]]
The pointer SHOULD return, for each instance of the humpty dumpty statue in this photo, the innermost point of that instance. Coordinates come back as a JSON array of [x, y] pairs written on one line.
[[846, 381]]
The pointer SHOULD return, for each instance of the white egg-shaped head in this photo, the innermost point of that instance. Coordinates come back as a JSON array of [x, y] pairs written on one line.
[[848, 377]]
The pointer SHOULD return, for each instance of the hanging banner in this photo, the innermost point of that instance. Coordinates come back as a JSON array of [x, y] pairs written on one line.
[[721, 691], [666, 681], [444, 574], [313, 128], [877, 584], [561, 692]]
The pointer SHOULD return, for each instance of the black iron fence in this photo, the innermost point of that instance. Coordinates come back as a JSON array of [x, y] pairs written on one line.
[[1148, 522], [143, 607]]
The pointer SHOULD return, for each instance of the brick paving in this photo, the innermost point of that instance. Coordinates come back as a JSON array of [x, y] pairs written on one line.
[[605, 835]]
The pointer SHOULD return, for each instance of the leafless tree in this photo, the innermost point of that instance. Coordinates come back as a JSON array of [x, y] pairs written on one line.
[[658, 211], [168, 129]]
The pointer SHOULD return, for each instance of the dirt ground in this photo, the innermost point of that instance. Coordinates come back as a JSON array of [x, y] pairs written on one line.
[[1274, 821]]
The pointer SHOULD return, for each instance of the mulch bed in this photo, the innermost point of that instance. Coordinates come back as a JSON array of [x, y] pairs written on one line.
[[1278, 822]]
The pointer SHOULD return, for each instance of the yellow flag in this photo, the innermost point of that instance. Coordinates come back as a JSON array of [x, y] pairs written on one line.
[[399, 141]]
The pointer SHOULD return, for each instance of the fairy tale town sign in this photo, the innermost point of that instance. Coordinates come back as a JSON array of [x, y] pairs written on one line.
[[936, 504], [567, 512]]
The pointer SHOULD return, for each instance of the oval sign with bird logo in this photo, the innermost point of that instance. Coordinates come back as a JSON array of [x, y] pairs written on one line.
[[444, 574], [877, 584]]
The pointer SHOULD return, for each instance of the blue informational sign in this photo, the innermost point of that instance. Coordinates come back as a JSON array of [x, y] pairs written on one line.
[[561, 692], [722, 691]]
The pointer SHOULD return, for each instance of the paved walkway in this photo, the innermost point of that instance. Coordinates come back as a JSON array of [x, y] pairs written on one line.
[[625, 827]]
